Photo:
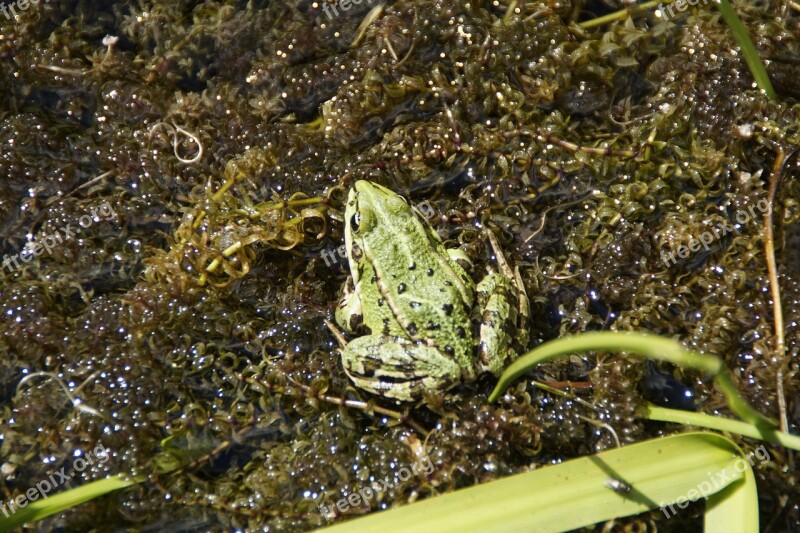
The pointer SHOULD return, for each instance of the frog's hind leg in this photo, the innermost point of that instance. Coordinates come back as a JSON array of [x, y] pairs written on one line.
[[500, 295], [398, 368], [524, 309], [499, 308]]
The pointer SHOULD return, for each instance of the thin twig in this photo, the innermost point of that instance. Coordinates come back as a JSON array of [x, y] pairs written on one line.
[[775, 290], [80, 187]]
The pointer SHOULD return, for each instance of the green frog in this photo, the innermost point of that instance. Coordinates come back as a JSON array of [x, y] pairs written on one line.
[[430, 327]]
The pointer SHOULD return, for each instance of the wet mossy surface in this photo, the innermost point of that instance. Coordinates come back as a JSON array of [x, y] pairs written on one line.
[[478, 108]]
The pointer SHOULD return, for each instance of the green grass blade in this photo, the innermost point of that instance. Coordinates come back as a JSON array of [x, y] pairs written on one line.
[[717, 423], [39, 509], [748, 48], [651, 346], [575, 494]]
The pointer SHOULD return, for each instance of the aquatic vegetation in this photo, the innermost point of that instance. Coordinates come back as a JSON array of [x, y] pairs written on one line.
[[198, 312]]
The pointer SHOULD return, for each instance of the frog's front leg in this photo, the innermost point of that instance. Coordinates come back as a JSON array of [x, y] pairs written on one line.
[[395, 367], [349, 314], [504, 313]]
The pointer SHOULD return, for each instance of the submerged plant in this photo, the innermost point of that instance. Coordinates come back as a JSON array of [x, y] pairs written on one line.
[[195, 318]]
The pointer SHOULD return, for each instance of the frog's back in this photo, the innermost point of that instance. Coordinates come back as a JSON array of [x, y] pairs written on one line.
[[420, 286]]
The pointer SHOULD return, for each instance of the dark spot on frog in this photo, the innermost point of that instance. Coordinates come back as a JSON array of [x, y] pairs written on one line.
[[449, 350], [431, 326], [386, 326], [461, 332], [448, 309], [414, 305], [664, 390], [401, 288], [355, 251], [430, 272], [412, 266], [412, 329], [381, 302], [448, 283], [374, 278]]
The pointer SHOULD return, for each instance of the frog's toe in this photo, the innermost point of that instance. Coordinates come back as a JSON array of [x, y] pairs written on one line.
[[397, 368], [461, 258]]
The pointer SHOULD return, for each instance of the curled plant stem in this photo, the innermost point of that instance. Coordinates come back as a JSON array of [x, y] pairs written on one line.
[[194, 139], [76, 402], [173, 130], [603, 425]]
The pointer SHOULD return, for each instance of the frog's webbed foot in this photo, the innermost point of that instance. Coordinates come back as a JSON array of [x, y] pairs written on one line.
[[398, 368]]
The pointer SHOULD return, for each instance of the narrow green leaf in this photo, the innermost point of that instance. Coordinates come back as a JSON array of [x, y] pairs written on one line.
[[64, 500], [577, 494], [748, 48], [651, 346], [718, 423]]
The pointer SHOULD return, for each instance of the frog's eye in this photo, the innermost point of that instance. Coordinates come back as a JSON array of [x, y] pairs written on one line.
[[355, 220]]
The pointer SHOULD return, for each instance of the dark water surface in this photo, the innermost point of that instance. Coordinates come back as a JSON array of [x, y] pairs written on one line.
[[181, 293]]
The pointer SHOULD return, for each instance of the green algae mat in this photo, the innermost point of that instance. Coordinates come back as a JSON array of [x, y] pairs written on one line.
[[173, 188]]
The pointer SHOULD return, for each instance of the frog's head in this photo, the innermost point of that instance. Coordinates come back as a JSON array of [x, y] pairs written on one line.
[[370, 206]]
